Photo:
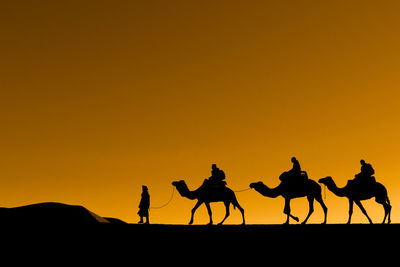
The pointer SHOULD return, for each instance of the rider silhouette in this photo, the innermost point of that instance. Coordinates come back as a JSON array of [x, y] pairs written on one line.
[[296, 170], [365, 176], [217, 176], [295, 174]]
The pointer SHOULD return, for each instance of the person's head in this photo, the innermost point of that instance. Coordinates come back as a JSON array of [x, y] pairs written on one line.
[[294, 159], [144, 188], [362, 162], [214, 166]]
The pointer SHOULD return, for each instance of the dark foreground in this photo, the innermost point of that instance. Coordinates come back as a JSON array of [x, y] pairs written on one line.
[[57, 234], [254, 244], [268, 235], [62, 234]]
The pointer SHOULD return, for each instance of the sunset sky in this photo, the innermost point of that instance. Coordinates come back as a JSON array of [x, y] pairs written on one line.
[[98, 98]]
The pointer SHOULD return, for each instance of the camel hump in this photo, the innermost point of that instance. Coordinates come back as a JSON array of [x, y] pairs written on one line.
[[214, 184], [363, 187]]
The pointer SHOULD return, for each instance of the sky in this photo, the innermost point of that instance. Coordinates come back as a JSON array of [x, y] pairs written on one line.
[[98, 98]]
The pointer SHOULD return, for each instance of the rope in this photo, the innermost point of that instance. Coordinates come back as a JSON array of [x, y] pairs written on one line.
[[172, 195], [237, 191]]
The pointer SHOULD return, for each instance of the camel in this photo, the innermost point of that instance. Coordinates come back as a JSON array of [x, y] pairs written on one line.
[[309, 189], [205, 194], [355, 193]]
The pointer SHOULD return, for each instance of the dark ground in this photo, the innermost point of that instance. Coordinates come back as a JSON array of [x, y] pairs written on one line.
[[62, 234], [300, 244]]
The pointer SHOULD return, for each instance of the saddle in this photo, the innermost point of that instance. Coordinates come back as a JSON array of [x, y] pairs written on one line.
[[214, 184], [364, 184], [289, 177], [294, 183]]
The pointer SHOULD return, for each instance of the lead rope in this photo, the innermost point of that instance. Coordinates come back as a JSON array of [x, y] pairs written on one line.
[[237, 191], [172, 195]]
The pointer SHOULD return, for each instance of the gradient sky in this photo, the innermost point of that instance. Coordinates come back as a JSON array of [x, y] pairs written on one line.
[[100, 97]]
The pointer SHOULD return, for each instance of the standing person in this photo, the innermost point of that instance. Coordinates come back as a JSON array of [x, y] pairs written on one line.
[[144, 205]]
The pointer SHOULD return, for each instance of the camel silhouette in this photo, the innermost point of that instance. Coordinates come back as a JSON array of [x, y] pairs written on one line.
[[205, 194], [357, 193], [309, 189]]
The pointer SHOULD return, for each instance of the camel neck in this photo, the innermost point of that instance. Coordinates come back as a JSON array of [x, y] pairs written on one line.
[[268, 192], [185, 192], [340, 192]]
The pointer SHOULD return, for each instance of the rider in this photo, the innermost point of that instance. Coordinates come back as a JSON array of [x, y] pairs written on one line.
[[365, 176], [296, 170], [217, 176], [295, 174]]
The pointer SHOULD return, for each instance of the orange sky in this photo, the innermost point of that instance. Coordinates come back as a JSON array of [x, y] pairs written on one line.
[[100, 97]]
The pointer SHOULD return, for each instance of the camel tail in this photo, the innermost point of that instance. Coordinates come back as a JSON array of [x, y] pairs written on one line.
[[386, 195], [234, 202]]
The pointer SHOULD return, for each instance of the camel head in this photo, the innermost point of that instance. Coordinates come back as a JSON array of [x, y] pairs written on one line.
[[178, 183], [257, 184], [181, 187], [327, 180]]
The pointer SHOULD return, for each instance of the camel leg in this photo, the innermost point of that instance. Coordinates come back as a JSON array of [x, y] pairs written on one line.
[[310, 210], [209, 212], [319, 199], [389, 208], [287, 219], [194, 210], [386, 207], [235, 203], [386, 213], [350, 210], [363, 210], [286, 210], [227, 204]]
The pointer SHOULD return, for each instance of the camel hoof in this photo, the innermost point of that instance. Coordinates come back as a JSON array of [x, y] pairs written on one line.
[[297, 219], [190, 223]]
